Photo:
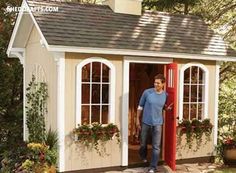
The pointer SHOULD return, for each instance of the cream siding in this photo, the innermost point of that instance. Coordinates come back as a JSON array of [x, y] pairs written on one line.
[[76, 157], [38, 55], [208, 148]]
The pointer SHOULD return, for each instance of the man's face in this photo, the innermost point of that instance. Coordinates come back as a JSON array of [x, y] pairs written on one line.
[[158, 85]]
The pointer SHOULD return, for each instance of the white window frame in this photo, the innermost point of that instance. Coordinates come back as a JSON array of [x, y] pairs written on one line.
[[206, 89], [112, 78]]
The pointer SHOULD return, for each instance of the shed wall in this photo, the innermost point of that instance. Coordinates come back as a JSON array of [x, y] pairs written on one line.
[[37, 56], [208, 148], [76, 157]]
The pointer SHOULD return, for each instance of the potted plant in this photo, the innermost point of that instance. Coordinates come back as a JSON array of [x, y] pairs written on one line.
[[226, 144], [227, 150]]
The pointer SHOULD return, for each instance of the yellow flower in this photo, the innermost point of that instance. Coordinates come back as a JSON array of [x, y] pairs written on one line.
[[27, 164], [37, 146]]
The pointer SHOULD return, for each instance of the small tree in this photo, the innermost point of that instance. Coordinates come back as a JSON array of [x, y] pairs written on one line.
[[227, 112], [36, 109]]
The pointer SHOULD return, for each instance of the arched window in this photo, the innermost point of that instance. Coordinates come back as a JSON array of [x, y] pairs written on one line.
[[95, 91], [193, 92]]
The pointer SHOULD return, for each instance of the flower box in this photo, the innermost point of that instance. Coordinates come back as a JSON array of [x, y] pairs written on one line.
[[91, 135], [194, 130]]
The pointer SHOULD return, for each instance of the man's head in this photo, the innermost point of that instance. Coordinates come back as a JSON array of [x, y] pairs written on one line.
[[159, 82]]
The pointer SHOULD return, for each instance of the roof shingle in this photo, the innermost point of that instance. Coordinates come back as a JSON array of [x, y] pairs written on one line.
[[81, 25]]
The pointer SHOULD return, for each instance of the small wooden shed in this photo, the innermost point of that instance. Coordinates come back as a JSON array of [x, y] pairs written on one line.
[[98, 59]]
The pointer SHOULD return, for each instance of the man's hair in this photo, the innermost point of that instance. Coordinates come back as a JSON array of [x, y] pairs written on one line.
[[161, 77]]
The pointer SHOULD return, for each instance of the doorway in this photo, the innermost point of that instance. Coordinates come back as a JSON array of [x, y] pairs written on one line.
[[141, 77]]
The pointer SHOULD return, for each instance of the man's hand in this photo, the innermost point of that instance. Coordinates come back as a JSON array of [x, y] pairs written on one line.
[[138, 126], [170, 107]]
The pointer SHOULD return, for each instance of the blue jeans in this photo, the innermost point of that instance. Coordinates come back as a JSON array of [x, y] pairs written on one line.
[[156, 132]]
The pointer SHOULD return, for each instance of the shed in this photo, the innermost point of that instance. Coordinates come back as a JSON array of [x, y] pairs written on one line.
[[98, 59]]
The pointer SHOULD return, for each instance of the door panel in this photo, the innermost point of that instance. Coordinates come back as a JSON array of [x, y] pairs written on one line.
[[170, 118]]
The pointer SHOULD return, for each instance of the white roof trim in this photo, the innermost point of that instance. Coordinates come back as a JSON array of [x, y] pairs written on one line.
[[44, 41], [24, 5], [139, 53], [13, 36]]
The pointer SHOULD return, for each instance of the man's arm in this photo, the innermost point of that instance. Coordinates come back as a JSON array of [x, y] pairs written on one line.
[[139, 112], [140, 109]]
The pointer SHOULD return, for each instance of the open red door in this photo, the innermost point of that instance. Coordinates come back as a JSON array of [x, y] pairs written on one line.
[[170, 118]]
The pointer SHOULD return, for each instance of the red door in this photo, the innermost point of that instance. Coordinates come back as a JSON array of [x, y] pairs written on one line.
[[170, 118]]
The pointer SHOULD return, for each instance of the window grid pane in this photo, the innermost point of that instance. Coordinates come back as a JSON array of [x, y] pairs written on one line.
[[187, 76], [186, 93], [201, 79], [85, 114], [105, 110], [193, 94], [95, 114], [96, 72], [105, 93], [95, 93], [193, 111], [105, 73], [95, 86], [86, 73], [85, 93], [186, 111], [200, 110]]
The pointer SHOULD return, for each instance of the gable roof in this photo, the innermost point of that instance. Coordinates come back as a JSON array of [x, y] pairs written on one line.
[[78, 25]]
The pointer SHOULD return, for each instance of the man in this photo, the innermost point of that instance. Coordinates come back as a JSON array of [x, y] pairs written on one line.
[[151, 104]]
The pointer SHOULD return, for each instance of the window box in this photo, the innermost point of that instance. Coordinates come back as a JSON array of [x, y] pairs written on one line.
[[194, 130], [92, 135]]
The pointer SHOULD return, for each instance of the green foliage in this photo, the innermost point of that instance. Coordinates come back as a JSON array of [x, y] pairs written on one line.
[[173, 6], [11, 87], [86, 1], [51, 139], [221, 15], [40, 159], [13, 158], [194, 131], [32, 156], [92, 135], [36, 109], [227, 113]]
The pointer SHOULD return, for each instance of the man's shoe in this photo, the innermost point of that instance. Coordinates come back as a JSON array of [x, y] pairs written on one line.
[[151, 170]]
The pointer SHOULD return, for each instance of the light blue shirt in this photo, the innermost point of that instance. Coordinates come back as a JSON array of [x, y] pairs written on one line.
[[152, 103]]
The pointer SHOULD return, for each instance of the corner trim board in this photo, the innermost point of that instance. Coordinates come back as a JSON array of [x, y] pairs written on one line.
[[60, 60]]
